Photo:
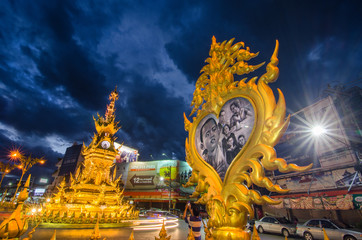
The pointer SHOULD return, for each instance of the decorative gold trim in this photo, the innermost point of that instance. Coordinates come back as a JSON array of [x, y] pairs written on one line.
[[230, 202]]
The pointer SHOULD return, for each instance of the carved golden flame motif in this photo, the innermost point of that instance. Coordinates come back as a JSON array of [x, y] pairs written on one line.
[[226, 166]]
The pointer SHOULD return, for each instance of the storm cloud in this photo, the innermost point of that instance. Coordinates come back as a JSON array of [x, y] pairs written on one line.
[[61, 59]]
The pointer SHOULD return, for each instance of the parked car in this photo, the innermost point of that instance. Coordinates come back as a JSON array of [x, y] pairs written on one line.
[[278, 225], [313, 229]]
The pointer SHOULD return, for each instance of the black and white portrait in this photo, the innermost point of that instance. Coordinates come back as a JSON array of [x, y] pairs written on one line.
[[219, 140]]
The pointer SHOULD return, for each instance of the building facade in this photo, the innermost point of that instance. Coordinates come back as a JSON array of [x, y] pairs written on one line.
[[333, 187]]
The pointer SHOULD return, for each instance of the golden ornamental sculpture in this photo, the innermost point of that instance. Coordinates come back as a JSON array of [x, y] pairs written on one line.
[[17, 224], [96, 234], [131, 237], [54, 236], [208, 235], [25, 163], [191, 235], [325, 236], [255, 235], [94, 191], [230, 140], [163, 233]]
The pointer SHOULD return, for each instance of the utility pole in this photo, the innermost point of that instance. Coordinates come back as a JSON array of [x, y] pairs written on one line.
[[169, 194], [170, 186]]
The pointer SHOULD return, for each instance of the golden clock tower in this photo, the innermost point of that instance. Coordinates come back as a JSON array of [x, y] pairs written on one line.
[[100, 154], [94, 191]]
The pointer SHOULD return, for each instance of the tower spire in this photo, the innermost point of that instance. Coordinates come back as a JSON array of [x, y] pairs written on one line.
[[113, 97], [106, 127]]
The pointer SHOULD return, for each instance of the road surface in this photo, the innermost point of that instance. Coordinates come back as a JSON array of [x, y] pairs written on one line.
[[178, 233]]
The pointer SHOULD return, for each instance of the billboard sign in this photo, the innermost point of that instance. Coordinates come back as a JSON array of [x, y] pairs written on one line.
[[43, 180], [39, 191], [142, 175], [142, 180], [125, 154], [154, 175]]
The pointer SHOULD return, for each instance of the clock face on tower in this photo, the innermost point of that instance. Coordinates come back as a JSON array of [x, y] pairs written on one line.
[[105, 144]]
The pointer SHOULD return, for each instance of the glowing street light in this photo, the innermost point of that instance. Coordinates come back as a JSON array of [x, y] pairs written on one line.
[[25, 164], [318, 130], [15, 154], [5, 169]]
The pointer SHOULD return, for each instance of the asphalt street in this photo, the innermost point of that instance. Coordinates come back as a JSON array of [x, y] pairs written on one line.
[[178, 233]]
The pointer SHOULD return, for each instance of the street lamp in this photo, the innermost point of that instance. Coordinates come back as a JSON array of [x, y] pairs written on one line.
[[5, 169], [169, 193], [25, 164], [168, 174], [318, 130]]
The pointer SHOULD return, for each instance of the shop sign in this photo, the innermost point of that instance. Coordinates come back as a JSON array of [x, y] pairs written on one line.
[[357, 201], [142, 180]]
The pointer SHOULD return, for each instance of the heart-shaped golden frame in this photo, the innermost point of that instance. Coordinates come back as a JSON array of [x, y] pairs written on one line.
[[230, 202]]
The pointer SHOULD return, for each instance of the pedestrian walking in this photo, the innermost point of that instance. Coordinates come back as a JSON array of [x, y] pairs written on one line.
[[193, 220]]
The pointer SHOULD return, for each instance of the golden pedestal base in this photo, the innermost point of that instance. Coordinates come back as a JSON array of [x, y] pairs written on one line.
[[230, 233]]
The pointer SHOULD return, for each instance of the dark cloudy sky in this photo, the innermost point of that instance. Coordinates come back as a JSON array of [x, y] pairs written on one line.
[[59, 60]]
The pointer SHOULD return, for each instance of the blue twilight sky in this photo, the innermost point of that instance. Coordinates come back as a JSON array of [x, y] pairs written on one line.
[[61, 59]]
